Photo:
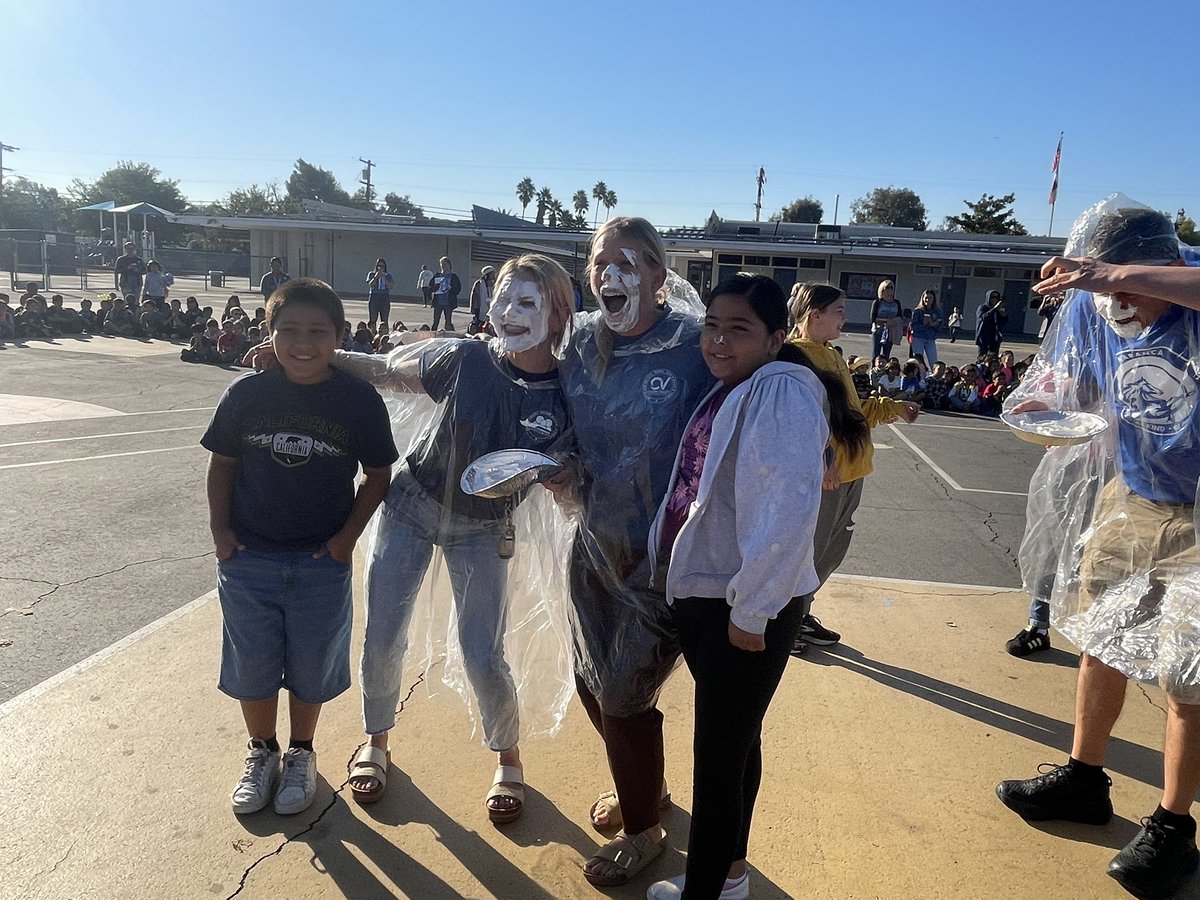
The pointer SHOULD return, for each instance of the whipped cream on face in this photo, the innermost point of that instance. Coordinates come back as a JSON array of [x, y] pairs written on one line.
[[618, 282], [1110, 310], [519, 315]]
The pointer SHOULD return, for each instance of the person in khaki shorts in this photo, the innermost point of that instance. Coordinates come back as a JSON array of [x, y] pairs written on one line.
[[1126, 570]]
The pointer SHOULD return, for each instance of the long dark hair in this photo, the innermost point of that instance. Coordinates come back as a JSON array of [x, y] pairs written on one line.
[[765, 298]]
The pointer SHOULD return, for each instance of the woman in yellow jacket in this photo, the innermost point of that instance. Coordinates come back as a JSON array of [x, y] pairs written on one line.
[[819, 311]]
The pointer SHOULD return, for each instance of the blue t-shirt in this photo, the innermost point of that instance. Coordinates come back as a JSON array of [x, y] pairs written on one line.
[[485, 404], [628, 425], [298, 448], [1153, 384]]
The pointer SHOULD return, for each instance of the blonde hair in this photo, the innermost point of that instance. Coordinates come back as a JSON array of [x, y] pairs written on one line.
[[810, 297], [883, 286], [645, 236], [554, 283]]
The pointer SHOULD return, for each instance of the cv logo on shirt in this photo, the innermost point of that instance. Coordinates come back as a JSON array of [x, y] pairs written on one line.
[[660, 386], [290, 448], [1157, 390], [541, 425]]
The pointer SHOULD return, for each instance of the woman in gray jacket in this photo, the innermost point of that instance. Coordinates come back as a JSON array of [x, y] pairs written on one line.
[[737, 525]]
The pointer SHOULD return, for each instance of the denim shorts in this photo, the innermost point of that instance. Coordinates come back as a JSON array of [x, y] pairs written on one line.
[[286, 625]]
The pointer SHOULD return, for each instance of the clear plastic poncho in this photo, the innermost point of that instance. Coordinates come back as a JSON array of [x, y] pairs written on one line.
[[630, 400], [471, 401], [1111, 525]]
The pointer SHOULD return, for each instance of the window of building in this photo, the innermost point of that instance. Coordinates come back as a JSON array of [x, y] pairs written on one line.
[[729, 259], [927, 270], [810, 263], [863, 285], [757, 261], [985, 272], [1019, 274], [783, 262]]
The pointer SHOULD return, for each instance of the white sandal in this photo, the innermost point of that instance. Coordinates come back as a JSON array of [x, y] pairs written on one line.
[[370, 762], [502, 786]]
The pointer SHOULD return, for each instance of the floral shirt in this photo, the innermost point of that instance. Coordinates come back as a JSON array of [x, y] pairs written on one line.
[[691, 466]]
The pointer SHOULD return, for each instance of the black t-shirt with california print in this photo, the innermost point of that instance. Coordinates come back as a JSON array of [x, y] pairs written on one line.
[[485, 404], [298, 448]]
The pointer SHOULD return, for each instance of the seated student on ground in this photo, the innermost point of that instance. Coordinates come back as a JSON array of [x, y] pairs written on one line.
[[993, 395], [937, 388], [191, 309], [363, 341], [64, 319], [212, 331], [87, 318], [152, 322], [31, 320], [106, 308], [964, 393], [892, 382], [260, 318], [253, 336], [120, 321], [233, 308], [177, 323], [232, 343], [200, 348], [912, 387], [8, 327], [31, 289]]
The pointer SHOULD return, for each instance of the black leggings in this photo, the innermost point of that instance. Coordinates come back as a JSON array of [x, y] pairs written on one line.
[[378, 306], [733, 690]]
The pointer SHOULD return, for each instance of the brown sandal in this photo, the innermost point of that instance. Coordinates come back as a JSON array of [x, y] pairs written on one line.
[[630, 852], [506, 776], [370, 762], [610, 805]]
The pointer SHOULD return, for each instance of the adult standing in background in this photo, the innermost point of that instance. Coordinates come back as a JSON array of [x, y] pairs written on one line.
[[379, 300], [887, 321], [273, 279], [446, 288], [425, 285], [926, 321], [990, 319], [129, 270], [481, 296]]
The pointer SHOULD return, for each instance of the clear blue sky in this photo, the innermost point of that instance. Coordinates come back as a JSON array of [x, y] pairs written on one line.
[[674, 105]]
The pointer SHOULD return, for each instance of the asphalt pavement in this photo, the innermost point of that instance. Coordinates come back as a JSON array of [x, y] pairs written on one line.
[[106, 528]]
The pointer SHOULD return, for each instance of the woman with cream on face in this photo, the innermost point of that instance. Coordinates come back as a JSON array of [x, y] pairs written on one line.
[[502, 394], [632, 374]]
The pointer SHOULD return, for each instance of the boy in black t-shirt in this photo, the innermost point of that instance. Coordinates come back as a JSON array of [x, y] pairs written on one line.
[[286, 445]]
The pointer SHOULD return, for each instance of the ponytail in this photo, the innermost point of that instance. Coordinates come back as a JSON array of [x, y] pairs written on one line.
[[847, 425]]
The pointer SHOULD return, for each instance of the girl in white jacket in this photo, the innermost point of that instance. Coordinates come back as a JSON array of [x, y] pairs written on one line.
[[737, 525]]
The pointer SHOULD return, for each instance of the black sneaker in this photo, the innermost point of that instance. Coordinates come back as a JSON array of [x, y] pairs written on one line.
[[1029, 640], [1157, 861], [800, 647], [814, 632], [1058, 793]]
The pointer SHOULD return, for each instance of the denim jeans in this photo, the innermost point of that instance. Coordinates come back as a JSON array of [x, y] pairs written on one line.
[[413, 523], [881, 344], [927, 347]]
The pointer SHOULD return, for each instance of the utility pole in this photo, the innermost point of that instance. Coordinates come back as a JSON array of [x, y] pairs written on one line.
[[762, 179], [3, 147], [366, 179]]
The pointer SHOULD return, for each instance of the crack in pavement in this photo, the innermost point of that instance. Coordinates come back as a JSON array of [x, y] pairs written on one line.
[[53, 868], [1150, 699], [28, 609], [328, 806], [989, 522]]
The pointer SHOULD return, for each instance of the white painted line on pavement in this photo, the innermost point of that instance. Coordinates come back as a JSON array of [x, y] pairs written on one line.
[[945, 476], [28, 696], [907, 582], [88, 437], [55, 462]]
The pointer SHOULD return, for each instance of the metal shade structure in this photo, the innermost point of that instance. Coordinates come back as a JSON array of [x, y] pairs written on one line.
[[102, 207], [141, 209]]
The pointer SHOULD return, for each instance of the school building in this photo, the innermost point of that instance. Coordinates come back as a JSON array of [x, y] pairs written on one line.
[[340, 245]]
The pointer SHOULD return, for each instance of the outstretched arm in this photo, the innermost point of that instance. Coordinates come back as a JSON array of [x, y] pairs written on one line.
[[1176, 283]]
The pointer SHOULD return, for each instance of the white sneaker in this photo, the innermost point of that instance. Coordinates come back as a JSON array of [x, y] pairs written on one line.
[[253, 790], [298, 784], [672, 889]]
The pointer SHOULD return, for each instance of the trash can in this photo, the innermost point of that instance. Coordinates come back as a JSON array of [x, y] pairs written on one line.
[[216, 279]]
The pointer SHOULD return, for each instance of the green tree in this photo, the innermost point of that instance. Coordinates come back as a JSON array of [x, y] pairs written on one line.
[[1186, 229], [890, 206], [558, 214], [254, 201], [525, 193], [803, 209], [544, 198], [988, 215], [396, 205], [599, 192], [129, 182], [27, 204], [609, 201], [580, 201], [309, 182]]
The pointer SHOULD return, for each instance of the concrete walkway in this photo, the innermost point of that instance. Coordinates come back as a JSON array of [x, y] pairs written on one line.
[[880, 762]]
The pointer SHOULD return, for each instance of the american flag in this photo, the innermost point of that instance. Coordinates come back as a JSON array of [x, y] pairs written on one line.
[[1054, 170]]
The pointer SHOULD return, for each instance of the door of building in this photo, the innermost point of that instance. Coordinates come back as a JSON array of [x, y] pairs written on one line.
[[954, 293], [1016, 304], [699, 275]]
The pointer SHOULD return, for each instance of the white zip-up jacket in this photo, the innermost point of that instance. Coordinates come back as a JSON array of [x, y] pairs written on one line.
[[749, 534]]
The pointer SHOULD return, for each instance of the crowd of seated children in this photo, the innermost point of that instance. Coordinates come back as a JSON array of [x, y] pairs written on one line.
[[978, 387]]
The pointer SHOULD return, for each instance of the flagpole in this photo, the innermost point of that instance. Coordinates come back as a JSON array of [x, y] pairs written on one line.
[[1054, 183]]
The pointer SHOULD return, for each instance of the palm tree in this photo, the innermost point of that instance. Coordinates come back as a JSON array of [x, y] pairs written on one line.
[[599, 192], [544, 198], [609, 201], [525, 192], [580, 202], [557, 214]]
